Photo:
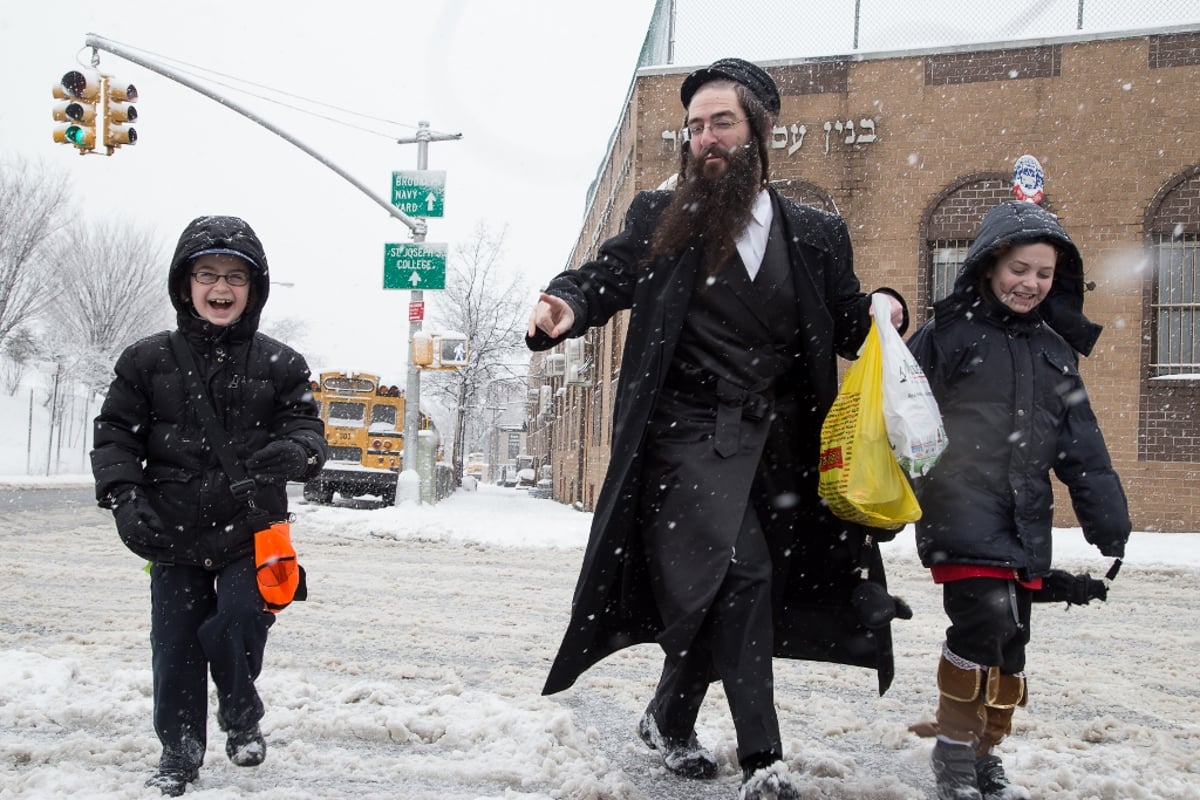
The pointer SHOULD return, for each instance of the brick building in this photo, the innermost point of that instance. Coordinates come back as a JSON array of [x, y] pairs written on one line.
[[912, 149]]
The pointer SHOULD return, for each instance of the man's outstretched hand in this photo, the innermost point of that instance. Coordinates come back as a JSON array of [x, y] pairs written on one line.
[[552, 316]]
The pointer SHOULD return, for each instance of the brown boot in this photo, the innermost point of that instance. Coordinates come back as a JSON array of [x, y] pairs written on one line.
[[1004, 693], [959, 728], [960, 714]]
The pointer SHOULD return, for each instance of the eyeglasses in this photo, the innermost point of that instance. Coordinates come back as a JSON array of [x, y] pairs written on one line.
[[232, 279], [717, 126]]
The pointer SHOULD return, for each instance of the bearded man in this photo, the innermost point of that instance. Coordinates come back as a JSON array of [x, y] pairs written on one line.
[[709, 537]]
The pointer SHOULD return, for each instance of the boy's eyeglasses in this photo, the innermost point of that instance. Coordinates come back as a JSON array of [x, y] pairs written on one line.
[[719, 127], [232, 279]]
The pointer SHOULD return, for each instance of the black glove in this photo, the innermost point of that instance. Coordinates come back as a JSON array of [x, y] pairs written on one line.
[[140, 527], [875, 607], [278, 462], [1059, 586]]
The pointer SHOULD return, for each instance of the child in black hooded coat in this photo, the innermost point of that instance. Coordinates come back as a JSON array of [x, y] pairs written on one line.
[[171, 498], [1000, 355]]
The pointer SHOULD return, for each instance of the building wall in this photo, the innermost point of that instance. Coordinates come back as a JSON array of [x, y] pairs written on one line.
[[914, 147]]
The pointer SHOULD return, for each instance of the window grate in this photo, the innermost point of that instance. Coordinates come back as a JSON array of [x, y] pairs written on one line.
[[1175, 309], [946, 257]]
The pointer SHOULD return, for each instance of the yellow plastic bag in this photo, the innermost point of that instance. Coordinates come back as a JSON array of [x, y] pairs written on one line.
[[860, 478]]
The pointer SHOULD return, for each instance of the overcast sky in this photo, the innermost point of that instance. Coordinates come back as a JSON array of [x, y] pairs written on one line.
[[534, 88]]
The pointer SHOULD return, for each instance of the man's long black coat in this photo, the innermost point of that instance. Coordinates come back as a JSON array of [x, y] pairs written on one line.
[[814, 567]]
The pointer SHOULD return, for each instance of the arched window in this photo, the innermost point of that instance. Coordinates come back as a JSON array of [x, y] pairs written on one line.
[[1173, 234], [1169, 410]]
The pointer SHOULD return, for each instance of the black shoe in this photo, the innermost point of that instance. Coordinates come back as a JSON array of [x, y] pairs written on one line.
[[772, 782], [172, 782], [686, 759], [993, 783], [954, 771], [246, 748]]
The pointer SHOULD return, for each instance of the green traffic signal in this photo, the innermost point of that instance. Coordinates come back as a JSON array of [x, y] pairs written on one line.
[[94, 109], [79, 92]]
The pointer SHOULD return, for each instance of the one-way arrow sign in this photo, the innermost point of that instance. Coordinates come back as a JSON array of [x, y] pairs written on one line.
[[414, 265], [420, 193]]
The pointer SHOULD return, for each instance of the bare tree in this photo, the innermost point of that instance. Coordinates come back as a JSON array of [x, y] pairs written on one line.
[[110, 280], [33, 206], [489, 304], [19, 350], [292, 331]]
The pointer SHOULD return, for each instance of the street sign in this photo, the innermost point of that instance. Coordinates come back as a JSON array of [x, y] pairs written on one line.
[[414, 265], [416, 311], [419, 193]]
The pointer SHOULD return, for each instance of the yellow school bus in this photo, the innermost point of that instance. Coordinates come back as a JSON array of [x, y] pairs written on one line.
[[475, 466], [364, 427]]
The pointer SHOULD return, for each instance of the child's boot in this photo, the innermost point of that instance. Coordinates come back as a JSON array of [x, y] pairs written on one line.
[[954, 771], [960, 726], [1004, 693]]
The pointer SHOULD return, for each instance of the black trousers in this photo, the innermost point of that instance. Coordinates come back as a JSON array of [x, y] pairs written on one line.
[[202, 621], [989, 621], [736, 642]]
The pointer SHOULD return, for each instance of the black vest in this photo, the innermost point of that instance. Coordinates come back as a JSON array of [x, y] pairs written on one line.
[[742, 331]]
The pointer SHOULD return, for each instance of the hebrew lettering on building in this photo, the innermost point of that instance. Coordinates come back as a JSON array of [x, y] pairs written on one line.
[[791, 137]]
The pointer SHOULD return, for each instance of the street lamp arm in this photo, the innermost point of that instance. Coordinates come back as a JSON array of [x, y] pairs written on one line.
[[417, 226]]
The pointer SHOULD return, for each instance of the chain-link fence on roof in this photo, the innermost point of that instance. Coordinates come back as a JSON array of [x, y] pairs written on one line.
[[697, 32]]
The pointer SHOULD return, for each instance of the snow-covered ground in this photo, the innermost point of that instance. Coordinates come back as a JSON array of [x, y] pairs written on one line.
[[414, 671]]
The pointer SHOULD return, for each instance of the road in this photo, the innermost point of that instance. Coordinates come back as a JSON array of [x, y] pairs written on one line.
[[415, 669]]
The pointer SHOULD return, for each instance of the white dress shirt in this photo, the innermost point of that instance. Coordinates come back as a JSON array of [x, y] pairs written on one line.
[[752, 244]]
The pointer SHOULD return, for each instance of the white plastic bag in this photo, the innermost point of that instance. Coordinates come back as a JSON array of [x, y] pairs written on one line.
[[914, 423]]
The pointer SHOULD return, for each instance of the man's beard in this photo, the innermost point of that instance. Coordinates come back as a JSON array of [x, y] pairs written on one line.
[[710, 212]]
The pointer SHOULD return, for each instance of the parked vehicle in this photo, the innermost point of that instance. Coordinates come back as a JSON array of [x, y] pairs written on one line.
[[508, 475], [364, 427]]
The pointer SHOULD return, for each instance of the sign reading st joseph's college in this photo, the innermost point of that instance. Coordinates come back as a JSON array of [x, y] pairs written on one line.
[[414, 265]]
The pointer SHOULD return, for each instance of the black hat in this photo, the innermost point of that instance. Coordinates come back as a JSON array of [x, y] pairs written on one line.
[[752, 76]]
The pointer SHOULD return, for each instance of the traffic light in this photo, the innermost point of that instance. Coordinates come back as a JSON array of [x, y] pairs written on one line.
[[78, 93], [118, 112]]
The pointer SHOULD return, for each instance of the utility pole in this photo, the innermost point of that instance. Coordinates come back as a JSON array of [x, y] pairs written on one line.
[[412, 391]]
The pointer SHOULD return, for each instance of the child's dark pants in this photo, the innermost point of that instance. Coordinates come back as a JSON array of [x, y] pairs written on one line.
[[200, 621]]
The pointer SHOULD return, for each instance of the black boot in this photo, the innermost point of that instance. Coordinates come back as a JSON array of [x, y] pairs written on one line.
[[685, 758], [172, 782], [954, 771], [993, 783], [246, 748]]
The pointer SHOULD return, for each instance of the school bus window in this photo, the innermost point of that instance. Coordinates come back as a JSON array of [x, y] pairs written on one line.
[[346, 414], [345, 454], [344, 384], [383, 418]]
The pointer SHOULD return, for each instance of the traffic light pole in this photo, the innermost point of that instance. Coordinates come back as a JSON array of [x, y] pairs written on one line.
[[417, 226], [412, 402]]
